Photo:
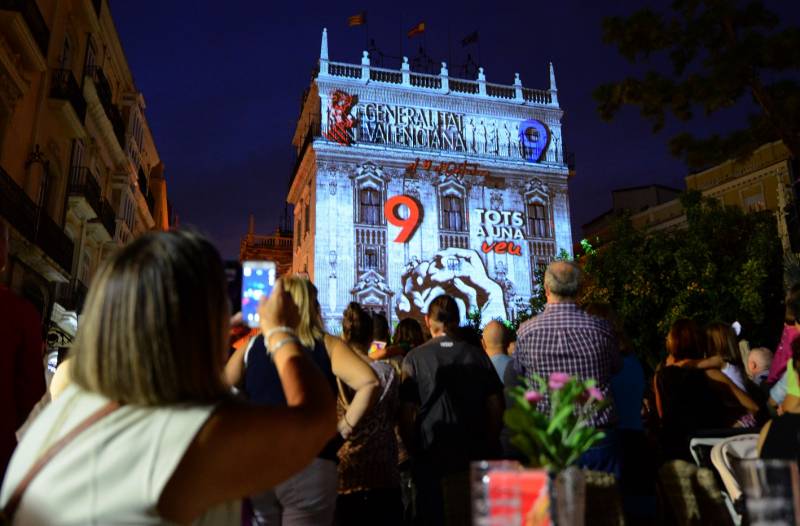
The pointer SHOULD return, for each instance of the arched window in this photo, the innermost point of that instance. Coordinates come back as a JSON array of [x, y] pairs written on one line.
[[537, 220], [452, 213], [370, 206]]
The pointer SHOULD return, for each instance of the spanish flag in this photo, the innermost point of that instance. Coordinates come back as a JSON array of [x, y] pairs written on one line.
[[357, 20], [416, 30]]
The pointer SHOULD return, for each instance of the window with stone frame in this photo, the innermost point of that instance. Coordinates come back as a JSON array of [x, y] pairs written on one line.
[[537, 220], [370, 259], [369, 210], [453, 213]]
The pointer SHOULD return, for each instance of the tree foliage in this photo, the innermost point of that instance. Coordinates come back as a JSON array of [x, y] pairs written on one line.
[[709, 55], [726, 265]]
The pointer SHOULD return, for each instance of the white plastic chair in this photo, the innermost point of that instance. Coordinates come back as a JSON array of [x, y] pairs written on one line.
[[724, 456]]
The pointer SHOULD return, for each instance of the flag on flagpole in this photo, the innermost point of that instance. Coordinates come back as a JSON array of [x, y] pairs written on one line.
[[469, 39], [416, 30], [357, 20]]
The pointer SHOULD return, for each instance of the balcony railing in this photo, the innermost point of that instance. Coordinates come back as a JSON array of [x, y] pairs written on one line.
[[65, 87], [536, 96], [83, 183], [464, 86], [108, 218], [33, 17], [101, 85], [33, 222]]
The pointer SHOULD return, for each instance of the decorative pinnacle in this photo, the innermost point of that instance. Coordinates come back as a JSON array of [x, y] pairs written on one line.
[[323, 50], [552, 78]]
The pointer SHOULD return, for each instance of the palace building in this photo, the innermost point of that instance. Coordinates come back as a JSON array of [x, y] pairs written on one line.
[[409, 185]]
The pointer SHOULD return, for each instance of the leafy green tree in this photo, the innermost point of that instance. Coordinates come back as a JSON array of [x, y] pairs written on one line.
[[718, 53], [724, 265], [538, 299]]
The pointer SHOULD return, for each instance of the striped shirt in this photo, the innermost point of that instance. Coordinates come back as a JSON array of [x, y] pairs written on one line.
[[564, 339]]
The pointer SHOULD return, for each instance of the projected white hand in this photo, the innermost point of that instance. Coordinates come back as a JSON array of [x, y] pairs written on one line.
[[457, 272]]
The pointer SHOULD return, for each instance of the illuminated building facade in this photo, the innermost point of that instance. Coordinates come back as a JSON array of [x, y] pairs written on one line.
[[408, 185]]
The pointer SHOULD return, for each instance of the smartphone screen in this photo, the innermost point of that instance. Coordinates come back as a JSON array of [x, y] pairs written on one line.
[[258, 279]]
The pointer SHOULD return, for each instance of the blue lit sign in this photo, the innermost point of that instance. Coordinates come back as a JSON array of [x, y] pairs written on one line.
[[534, 137]]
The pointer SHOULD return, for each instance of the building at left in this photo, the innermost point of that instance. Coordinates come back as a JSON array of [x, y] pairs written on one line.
[[80, 174]]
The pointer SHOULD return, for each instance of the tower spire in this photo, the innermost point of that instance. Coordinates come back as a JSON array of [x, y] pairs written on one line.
[[323, 50], [553, 88]]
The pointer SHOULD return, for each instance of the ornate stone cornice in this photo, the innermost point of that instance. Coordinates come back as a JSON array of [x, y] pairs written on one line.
[[452, 102]]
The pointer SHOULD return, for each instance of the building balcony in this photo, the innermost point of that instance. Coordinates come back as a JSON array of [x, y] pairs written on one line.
[[33, 223], [105, 95], [108, 218], [101, 86], [84, 193], [66, 94], [24, 25], [71, 295]]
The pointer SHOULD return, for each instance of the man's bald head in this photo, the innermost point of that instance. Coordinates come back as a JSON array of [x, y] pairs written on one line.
[[561, 280], [495, 338]]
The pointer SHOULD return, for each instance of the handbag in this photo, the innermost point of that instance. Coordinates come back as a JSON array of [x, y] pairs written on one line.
[[10, 509]]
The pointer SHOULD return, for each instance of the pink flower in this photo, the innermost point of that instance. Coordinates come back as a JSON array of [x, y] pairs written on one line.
[[558, 380], [534, 397], [595, 393]]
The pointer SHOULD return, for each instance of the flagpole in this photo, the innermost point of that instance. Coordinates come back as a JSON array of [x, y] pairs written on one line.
[[402, 41], [449, 44], [479, 52], [424, 45]]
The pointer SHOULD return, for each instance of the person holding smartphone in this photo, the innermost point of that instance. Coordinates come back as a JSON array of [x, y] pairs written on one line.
[[160, 440], [308, 498]]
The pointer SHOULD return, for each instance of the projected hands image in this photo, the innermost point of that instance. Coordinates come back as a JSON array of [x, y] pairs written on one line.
[[455, 271]]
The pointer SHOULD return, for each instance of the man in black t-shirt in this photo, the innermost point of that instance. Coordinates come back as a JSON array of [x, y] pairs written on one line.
[[451, 414]]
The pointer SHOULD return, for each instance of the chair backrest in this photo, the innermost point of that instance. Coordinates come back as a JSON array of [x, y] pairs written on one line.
[[701, 448], [771, 490], [727, 454]]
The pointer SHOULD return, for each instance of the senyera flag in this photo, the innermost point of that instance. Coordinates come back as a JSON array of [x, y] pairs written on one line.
[[357, 20], [416, 30]]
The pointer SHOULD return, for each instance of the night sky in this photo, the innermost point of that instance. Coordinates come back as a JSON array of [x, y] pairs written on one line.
[[222, 82]]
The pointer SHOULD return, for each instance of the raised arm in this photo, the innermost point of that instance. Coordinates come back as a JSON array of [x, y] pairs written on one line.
[[234, 368], [741, 397], [242, 450], [356, 373]]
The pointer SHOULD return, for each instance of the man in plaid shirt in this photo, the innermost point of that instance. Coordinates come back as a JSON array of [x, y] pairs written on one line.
[[564, 339]]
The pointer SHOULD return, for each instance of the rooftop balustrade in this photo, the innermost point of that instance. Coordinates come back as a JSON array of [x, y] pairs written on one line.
[[441, 83]]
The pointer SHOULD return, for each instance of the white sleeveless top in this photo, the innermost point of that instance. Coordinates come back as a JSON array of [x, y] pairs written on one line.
[[113, 472]]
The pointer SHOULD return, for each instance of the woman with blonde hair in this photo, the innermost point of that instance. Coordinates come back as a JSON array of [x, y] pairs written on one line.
[[308, 498], [146, 432], [721, 342]]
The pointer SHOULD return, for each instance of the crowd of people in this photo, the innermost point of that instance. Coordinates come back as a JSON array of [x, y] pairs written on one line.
[[166, 410]]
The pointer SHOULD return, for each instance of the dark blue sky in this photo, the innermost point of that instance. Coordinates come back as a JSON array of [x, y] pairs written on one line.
[[223, 81]]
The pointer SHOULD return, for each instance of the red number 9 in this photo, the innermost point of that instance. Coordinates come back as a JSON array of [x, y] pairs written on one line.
[[408, 225]]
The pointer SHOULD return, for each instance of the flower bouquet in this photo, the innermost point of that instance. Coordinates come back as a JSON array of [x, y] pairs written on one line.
[[556, 439]]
